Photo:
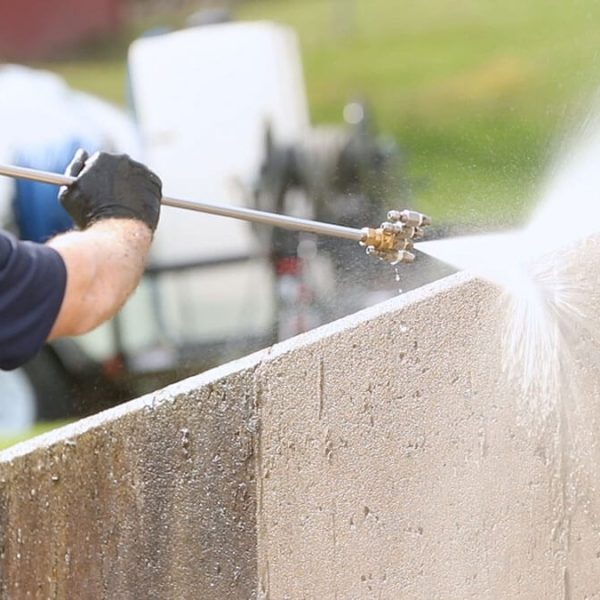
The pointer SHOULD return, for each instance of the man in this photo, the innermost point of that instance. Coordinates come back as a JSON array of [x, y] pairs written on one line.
[[81, 278]]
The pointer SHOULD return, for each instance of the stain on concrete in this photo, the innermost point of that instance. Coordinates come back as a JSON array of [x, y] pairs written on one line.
[[156, 504]]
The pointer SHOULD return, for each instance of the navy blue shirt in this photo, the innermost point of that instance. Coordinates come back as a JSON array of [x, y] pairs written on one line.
[[33, 278]]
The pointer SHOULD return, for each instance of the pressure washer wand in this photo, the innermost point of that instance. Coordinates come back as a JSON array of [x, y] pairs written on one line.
[[391, 242]]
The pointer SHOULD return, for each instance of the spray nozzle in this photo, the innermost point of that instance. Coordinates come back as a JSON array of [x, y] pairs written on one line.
[[393, 240]]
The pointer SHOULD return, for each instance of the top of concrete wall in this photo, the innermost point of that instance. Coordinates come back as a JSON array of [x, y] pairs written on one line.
[[251, 361]]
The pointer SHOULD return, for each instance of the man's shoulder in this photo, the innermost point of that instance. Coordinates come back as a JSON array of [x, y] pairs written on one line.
[[28, 264], [32, 286]]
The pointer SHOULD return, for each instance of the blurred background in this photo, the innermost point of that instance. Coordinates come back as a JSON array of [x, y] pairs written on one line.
[[329, 109]]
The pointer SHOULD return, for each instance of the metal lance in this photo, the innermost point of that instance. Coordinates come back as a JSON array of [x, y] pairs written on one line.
[[392, 241]]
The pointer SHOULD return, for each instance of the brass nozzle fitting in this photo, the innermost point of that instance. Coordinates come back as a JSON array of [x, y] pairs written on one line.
[[393, 240]]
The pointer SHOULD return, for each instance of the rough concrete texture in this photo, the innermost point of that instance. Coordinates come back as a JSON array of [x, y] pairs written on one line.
[[391, 467], [382, 456], [155, 501]]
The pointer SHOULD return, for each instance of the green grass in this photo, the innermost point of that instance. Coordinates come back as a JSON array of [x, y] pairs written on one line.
[[475, 91], [6, 440]]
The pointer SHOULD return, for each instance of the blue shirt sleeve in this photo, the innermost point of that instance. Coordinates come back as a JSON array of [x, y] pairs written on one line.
[[33, 279]]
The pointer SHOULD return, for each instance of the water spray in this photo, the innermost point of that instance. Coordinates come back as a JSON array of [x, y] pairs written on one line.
[[392, 241]]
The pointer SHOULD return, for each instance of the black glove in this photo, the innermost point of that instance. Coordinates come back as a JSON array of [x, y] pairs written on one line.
[[110, 186]]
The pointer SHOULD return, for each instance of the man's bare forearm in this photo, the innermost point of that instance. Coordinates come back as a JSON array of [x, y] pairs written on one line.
[[104, 265]]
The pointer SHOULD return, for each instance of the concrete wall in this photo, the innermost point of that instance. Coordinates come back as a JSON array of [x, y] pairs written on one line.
[[377, 457]]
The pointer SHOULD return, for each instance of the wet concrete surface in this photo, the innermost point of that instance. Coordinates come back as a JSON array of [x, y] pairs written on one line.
[[380, 456]]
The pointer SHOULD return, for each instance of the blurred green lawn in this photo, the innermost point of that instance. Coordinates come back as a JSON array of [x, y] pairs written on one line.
[[7, 440], [477, 92]]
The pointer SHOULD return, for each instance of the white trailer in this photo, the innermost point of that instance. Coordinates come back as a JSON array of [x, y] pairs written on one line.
[[203, 98]]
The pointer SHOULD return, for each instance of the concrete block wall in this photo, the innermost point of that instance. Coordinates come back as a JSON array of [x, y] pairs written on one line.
[[379, 457]]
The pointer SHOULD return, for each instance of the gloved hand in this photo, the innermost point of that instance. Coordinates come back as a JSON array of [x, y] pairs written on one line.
[[110, 186]]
